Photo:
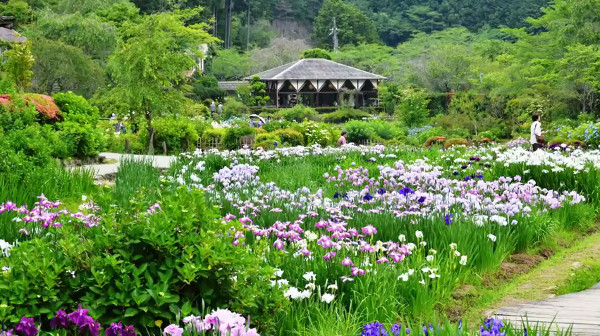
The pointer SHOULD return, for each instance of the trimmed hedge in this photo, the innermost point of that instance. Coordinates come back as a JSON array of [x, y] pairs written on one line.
[[290, 137]]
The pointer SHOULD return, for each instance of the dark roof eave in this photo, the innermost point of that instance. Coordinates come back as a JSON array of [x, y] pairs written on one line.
[[305, 79]]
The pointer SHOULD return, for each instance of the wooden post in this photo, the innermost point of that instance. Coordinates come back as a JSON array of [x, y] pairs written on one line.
[[127, 146], [164, 146], [277, 93]]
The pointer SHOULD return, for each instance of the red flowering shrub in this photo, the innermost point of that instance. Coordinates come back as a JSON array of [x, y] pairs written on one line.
[[43, 104]]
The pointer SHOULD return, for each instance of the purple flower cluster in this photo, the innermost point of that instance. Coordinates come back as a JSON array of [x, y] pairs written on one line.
[[378, 329], [47, 214], [118, 329], [492, 327], [78, 319], [26, 327]]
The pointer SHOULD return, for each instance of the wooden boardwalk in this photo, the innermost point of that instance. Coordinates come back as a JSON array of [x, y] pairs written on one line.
[[581, 311]]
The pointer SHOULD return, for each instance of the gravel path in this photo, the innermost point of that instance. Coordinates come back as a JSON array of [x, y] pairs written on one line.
[[159, 161]]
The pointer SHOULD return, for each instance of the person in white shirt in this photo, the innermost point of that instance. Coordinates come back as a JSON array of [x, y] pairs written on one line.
[[536, 131]]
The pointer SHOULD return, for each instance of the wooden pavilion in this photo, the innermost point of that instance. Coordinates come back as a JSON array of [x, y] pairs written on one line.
[[320, 83]]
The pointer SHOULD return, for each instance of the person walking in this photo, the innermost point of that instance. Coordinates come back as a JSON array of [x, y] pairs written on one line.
[[220, 109], [537, 136], [212, 109], [342, 140]]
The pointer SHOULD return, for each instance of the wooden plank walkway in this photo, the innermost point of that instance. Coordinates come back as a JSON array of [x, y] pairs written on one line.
[[581, 311]]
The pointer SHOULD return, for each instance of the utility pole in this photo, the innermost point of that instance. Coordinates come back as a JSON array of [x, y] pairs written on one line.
[[334, 32], [248, 23]]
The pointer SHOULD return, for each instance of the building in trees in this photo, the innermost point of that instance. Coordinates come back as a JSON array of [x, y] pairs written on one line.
[[320, 83]]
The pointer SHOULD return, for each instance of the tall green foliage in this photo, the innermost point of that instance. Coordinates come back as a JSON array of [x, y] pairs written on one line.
[[18, 62], [152, 63], [354, 26]]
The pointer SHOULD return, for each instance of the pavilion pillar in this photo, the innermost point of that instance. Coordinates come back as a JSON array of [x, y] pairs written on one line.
[[277, 93]]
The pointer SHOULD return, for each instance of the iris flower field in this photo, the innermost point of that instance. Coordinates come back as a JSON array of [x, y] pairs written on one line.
[[355, 240]]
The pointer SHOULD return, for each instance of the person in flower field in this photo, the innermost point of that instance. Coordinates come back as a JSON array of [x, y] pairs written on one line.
[[537, 136], [342, 140]]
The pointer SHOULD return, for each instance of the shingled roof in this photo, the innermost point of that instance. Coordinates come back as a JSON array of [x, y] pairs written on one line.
[[314, 68], [10, 35]]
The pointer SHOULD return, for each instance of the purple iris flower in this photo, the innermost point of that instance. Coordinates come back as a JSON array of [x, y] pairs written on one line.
[[396, 330], [336, 195], [406, 190], [455, 173], [60, 320], [374, 329], [421, 199], [26, 327], [448, 219], [80, 317], [367, 197], [381, 191], [115, 329]]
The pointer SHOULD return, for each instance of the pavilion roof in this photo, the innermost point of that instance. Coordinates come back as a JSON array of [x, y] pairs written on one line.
[[314, 68]]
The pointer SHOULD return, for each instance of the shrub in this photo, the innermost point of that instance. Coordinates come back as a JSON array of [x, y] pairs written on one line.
[[385, 130], [316, 53], [207, 87], [412, 108], [435, 140], [234, 135], [359, 131], [179, 134], [344, 115], [201, 126], [116, 143], [76, 108], [290, 137], [267, 137], [298, 113], [213, 135], [417, 137], [82, 140], [267, 141], [197, 110], [276, 125], [317, 133], [456, 142], [234, 108], [328, 109], [140, 266]]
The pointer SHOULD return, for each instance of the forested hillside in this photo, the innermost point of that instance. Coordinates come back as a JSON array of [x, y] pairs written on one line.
[[395, 21]]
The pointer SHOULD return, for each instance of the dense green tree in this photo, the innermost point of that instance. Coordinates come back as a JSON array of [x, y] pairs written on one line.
[[61, 67], [354, 27], [229, 65], [19, 9], [316, 53], [152, 63], [96, 38]]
